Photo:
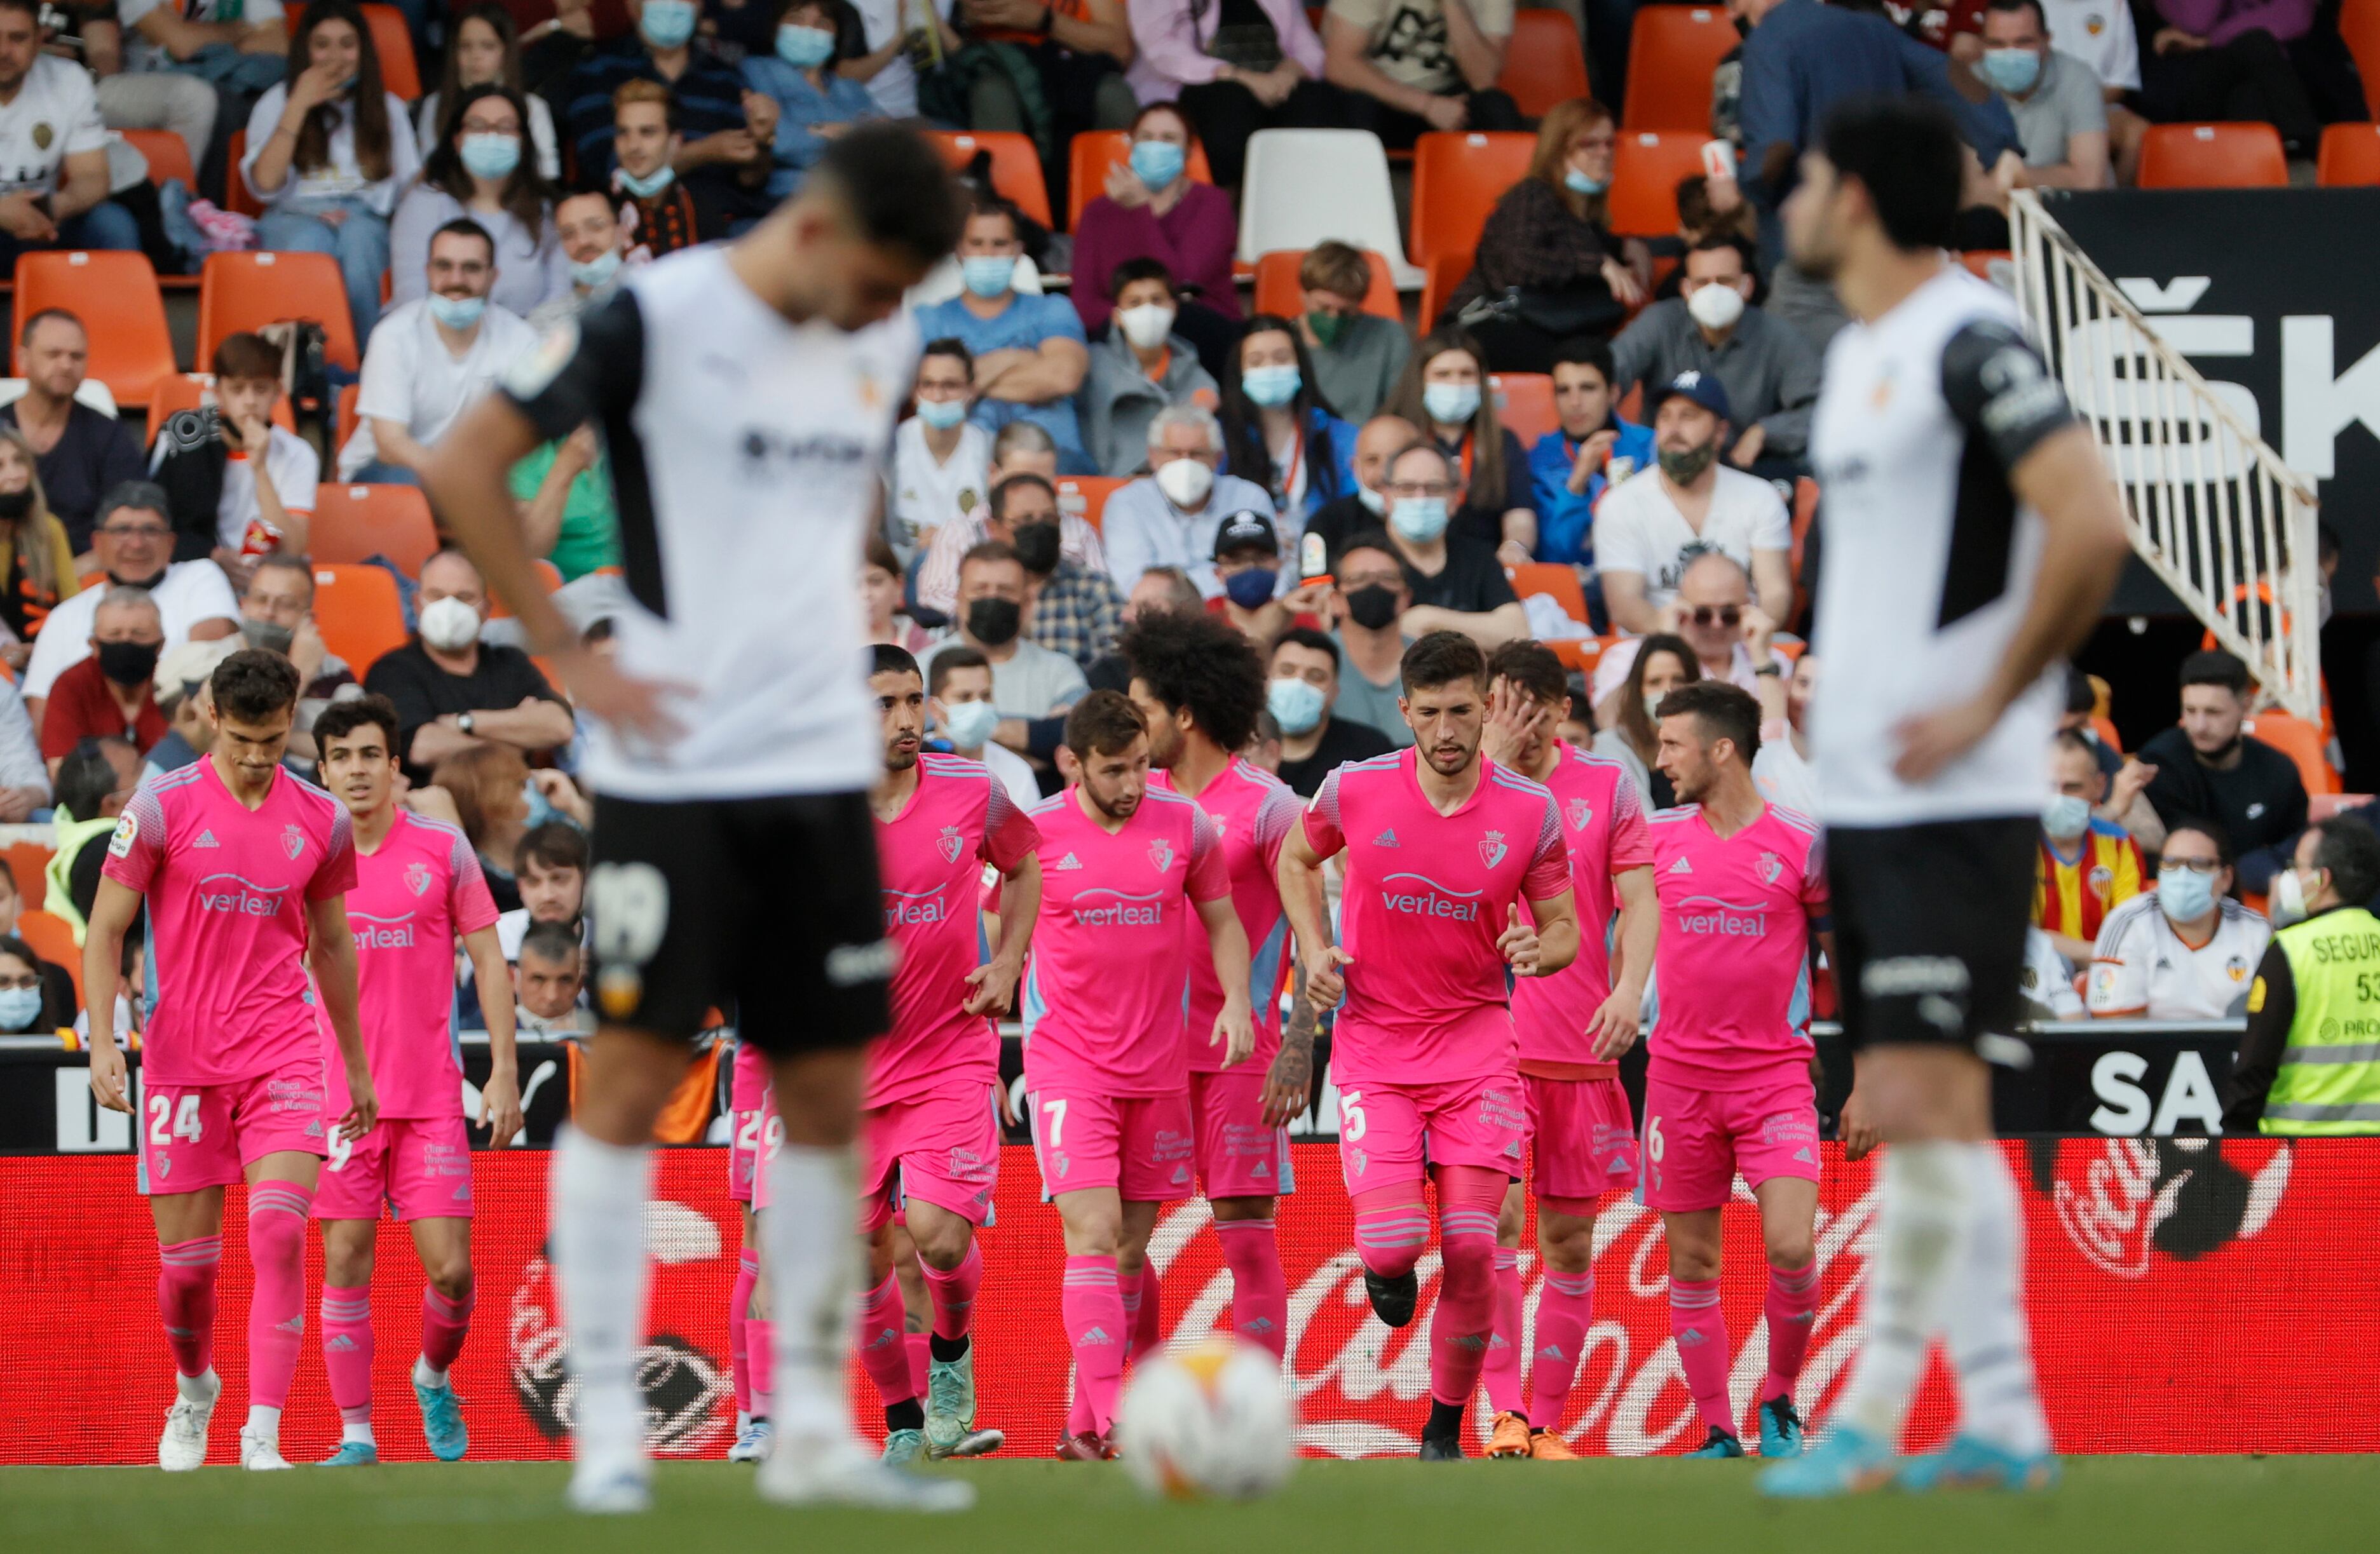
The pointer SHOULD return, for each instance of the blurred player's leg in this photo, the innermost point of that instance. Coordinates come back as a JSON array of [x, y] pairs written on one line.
[[189, 1232], [1143, 1312], [877, 1334], [1259, 1288], [348, 1246], [444, 1244], [1501, 1370], [750, 1445], [278, 1208], [1468, 1198]]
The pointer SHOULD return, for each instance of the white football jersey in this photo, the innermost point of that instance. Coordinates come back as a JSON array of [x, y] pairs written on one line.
[[2140, 967]]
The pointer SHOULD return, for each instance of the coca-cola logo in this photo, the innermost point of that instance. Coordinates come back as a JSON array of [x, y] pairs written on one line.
[[2123, 1201]]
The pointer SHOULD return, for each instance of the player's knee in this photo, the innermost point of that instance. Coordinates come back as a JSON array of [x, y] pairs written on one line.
[[942, 1245], [1568, 1247], [1792, 1248], [452, 1277], [1693, 1261]]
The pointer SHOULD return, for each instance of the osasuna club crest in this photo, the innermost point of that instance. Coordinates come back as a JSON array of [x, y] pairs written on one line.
[[1581, 812], [950, 844], [1771, 866], [1160, 853], [417, 877], [1491, 848], [292, 841]]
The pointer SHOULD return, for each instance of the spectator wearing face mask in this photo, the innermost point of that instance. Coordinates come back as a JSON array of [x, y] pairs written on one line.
[[939, 456], [30, 1000], [1456, 581], [1030, 355], [1364, 506], [276, 614], [2089, 867], [1170, 516], [1018, 448], [2062, 120], [2209, 765], [1357, 356], [1369, 602], [719, 145], [1029, 680], [593, 249], [958, 697], [109, 692], [454, 693], [1068, 608], [1314, 740], [2187, 949], [815, 102], [1142, 367], [1249, 563], [1152, 209], [1769, 370], [1278, 431]]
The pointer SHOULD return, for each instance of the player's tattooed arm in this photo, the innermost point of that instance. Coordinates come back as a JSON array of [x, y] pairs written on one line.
[[1289, 1086]]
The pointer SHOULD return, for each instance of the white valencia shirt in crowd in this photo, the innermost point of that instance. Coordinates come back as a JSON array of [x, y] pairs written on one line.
[[56, 114], [748, 454], [1929, 561], [2142, 967]]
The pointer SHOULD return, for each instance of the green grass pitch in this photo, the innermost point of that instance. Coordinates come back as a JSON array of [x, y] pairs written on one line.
[[2235, 1504]]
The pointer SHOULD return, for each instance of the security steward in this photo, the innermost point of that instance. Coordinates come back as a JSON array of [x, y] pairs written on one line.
[[2310, 1060]]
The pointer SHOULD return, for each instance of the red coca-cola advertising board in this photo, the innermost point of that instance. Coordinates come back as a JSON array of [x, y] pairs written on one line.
[[2161, 1274]]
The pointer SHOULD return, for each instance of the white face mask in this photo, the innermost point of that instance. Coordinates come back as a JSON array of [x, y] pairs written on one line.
[[2065, 816], [1716, 306], [1146, 325], [1185, 482], [2288, 903], [449, 624]]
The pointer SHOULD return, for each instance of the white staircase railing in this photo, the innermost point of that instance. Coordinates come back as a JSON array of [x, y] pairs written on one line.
[[2211, 507]]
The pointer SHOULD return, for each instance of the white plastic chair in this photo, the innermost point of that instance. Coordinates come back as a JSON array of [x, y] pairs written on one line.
[[1305, 186]]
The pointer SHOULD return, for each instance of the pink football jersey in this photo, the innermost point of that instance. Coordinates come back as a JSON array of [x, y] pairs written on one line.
[[1603, 820], [930, 861], [228, 888], [1252, 810], [1731, 978], [1106, 992], [1425, 901], [413, 898]]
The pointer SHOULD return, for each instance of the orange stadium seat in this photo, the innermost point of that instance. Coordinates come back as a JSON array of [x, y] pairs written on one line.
[[2213, 156], [359, 612], [1672, 52], [394, 42], [1457, 179], [1442, 276], [184, 391], [1553, 579], [1277, 289], [1644, 176], [1545, 63], [1087, 495], [349, 418], [2303, 743], [2350, 156], [2359, 26], [116, 298], [1090, 155], [1524, 402], [52, 938], [30, 862], [1016, 165], [238, 198], [547, 574], [356, 522], [240, 291], [167, 153]]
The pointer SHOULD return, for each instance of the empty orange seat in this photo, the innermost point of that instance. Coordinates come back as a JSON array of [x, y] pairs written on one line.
[[240, 291], [1545, 63], [116, 296], [1087, 495], [1553, 579], [2213, 156], [1016, 165], [1524, 402], [357, 610], [30, 862], [168, 155], [354, 522], [1090, 155], [1672, 52], [2351, 155], [1278, 292], [1457, 179], [2303, 743], [52, 938], [1647, 168], [392, 40]]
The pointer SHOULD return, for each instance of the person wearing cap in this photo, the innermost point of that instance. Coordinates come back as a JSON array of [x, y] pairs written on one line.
[[1170, 516], [1648, 529], [180, 681], [1771, 368], [1248, 561], [109, 692]]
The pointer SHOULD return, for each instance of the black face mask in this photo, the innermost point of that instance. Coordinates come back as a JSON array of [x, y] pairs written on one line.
[[1037, 547], [994, 622], [265, 635], [1372, 607], [15, 505], [129, 663]]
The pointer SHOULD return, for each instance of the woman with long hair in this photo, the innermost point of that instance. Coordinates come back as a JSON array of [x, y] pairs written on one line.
[[488, 785], [1547, 260], [483, 49], [482, 170], [29, 1005], [1663, 664], [37, 566], [329, 151], [1445, 392], [1278, 428]]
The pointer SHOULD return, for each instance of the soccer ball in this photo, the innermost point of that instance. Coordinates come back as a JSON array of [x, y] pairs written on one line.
[[1214, 1422]]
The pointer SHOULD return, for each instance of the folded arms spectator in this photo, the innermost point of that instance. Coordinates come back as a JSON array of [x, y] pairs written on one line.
[[1029, 352], [454, 693]]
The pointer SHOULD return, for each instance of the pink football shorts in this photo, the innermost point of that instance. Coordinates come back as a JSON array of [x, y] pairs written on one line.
[[1581, 1138], [1141, 1146], [1696, 1140], [1389, 1133], [205, 1136], [1238, 1156], [746, 1090], [419, 1166], [942, 1147]]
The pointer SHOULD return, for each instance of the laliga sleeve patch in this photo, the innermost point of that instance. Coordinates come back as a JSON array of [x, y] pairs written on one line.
[[537, 368], [2257, 996], [128, 830]]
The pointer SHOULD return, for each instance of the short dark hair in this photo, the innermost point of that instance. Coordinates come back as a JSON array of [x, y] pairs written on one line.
[[1368, 539], [998, 495], [1440, 658], [1200, 661], [464, 227], [1585, 352], [243, 355], [1721, 711], [2215, 667], [553, 845], [951, 346], [551, 941], [951, 659], [1722, 242], [989, 205], [1532, 667], [1305, 636], [145, 496], [253, 684], [1142, 269], [2210, 829], [2039, 14], [890, 658], [2349, 852], [25, 334], [1905, 151], [991, 550], [2072, 740], [86, 777], [1102, 723], [2082, 696], [341, 719], [897, 189]]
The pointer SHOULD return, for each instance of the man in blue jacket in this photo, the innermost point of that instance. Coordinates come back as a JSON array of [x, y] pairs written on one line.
[[1595, 448]]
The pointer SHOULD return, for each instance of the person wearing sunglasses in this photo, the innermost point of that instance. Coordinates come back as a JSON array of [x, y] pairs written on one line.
[[2187, 949], [1648, 529], [1713, 612]]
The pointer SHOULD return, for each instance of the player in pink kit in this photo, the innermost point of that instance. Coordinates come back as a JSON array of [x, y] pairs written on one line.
[[1443, 848], [1200, 683], [1571, 1028], [245, 870], [418, 891], [1743, 886], [929, 1120], [747, 1088], [1124, 867]]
